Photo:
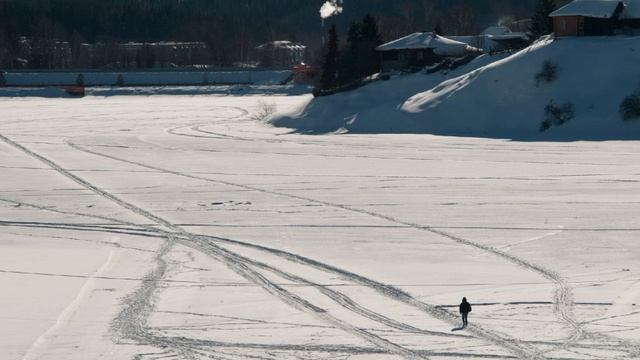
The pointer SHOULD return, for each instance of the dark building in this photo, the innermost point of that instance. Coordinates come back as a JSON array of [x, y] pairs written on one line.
[[36, 53], [419, 50], [280, 53]]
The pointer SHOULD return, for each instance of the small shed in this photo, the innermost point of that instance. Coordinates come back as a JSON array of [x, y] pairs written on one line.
[[588, 18], [419, 50]]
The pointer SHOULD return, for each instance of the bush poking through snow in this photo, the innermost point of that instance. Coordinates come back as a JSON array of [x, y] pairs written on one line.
[[3, 79], [556, 115], [548, 74], [630, 107], [265, 110], [80, 79], [120, 80]]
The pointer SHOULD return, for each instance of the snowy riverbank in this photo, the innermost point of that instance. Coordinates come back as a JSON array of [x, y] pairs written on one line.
[[495, 98]]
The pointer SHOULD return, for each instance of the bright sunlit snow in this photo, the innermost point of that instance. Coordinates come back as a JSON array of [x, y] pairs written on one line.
[[183, 227]]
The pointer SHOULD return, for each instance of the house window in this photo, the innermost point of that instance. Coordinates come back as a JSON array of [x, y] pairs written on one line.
[[420, 56], [563, 25]]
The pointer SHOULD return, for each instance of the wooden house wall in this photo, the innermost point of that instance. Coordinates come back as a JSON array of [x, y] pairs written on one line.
[[567, 25], [406, 59]]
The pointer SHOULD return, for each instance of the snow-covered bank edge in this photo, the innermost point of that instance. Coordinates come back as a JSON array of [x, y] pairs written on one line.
[[56, 92], [165, 77]]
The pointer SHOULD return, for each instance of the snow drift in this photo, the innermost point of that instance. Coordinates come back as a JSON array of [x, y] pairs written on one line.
[[496, 99]]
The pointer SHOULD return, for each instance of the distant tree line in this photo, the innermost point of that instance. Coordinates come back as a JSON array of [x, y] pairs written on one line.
[[230, 29]]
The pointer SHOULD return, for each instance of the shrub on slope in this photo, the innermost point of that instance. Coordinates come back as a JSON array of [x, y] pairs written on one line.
[[548, 74], [557, 115]]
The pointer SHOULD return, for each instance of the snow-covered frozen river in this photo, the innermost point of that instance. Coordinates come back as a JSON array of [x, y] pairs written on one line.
[[181, 227]]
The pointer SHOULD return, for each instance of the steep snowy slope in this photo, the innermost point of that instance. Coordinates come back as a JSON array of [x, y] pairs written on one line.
[[373, 108], [502, 99]]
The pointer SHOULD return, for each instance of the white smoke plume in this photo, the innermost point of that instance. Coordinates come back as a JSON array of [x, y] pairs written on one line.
[[506, 20], [331, 8]]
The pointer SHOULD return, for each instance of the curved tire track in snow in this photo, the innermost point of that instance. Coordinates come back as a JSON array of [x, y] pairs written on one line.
[[238, 264], [243, 113], [338, 297], [563, 296], [512, 345], [131, 323]]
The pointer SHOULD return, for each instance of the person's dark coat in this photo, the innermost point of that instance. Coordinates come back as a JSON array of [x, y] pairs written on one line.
[[465, 307]]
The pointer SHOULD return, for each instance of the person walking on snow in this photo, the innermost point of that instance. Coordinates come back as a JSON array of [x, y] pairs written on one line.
[[465, 309]]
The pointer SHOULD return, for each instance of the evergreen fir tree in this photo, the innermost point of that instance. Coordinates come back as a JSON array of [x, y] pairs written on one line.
[[355, 34], [3, 79], [360, 58], [368, 58], [120, 80], [330, 61], [80, 79], [370, 31], [348, 61], [438, 30], [542, 24]]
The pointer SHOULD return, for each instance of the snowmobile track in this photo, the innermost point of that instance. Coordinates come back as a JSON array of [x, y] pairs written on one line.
[[337, 297], [512, 345], [563, 296], [226, 257]]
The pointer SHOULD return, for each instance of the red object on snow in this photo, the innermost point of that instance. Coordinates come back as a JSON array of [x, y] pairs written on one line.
[[304, 74], [74, 90]]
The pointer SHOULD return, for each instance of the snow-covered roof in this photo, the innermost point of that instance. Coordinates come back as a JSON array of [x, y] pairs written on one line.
[[510, 36], [496, 30], [589, 8], [427, 40], [502, 33]]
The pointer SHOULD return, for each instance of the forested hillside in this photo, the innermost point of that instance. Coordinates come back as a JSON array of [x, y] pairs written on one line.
[[232, 28]]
